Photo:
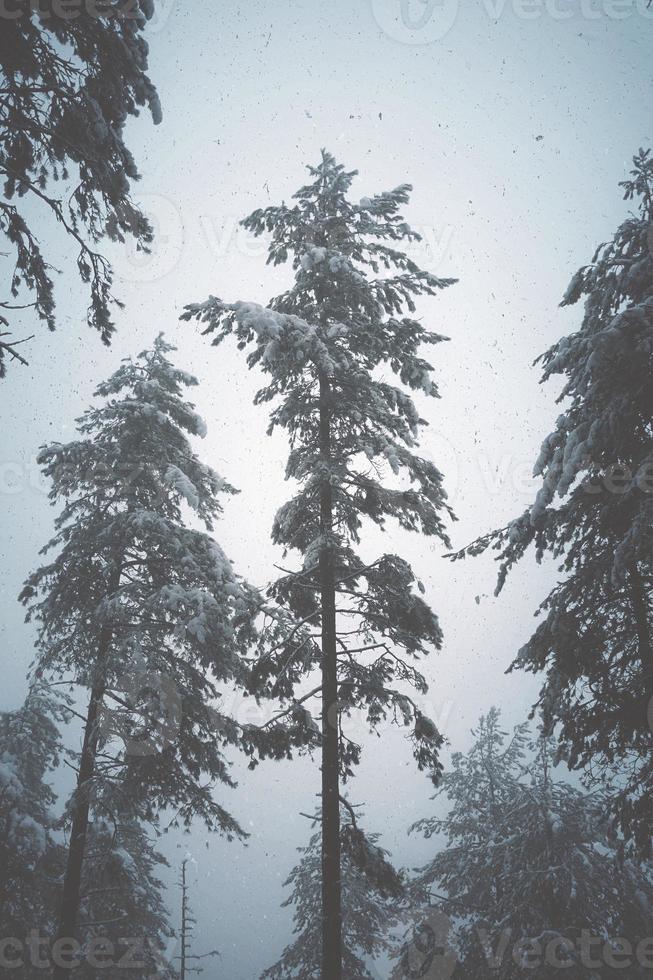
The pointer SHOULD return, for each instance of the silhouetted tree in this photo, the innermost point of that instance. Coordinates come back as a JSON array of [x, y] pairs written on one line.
[[188, 961]]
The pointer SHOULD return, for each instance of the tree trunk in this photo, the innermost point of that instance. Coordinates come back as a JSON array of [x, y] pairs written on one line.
[[640, 610], [331, 889], [73, 877], [69, 910]]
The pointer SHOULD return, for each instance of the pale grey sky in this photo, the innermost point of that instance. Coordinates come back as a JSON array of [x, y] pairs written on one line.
[[514, 126]]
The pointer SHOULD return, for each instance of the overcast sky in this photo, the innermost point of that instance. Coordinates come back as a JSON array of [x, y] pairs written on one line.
[[514, 123]]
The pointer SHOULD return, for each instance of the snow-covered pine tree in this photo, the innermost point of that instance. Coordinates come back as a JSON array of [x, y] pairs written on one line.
[[120, 895], [123, 921], [594, 643], [69, 84], [527, 860], [371, 892], [481, 788], [139, 609], [30, 748], [353, 437]]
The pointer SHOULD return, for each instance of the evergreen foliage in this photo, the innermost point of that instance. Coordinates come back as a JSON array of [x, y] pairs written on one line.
[[68, 85], [372, 892], [528, 872], [594, 513]]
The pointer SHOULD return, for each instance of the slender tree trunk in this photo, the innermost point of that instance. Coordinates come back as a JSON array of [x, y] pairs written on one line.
[[182, 968], [331, 887], [69, 910]]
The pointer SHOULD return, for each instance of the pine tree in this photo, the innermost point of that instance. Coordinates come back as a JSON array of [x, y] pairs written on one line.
[[528, 871], [140, 610], [30, 748], [122, 917], [353, 438], [481, 787], [371, 893], [67, 87], [594, 642]]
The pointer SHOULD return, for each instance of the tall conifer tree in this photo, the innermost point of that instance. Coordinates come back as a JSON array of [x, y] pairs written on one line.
[[142, 611], [347, 315]]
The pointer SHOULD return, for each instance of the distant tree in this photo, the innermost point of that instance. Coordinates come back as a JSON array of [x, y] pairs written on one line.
[[353, 436], [188, 961], [371, 893], [594, 644], [141, 611], [528, 872], [69, 80], [30, 748]]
